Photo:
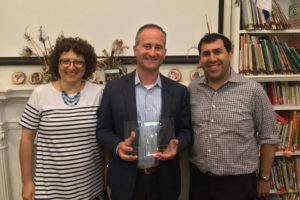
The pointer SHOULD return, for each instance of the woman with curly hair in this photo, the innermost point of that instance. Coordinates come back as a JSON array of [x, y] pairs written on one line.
[[61, 117]]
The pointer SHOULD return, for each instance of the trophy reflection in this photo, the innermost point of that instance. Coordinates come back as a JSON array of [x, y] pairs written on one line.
[[150, 137]]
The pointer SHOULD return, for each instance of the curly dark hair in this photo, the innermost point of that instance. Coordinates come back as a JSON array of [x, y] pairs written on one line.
[[80, 47]]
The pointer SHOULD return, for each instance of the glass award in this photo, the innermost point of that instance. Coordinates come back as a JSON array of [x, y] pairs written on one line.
[[150, 137]]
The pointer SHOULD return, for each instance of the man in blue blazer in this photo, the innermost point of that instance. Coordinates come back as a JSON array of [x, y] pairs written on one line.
[[141, 96]]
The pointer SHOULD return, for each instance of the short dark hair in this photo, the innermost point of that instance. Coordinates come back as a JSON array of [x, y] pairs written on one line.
[[80, 47], [211, 37], [137, 37]]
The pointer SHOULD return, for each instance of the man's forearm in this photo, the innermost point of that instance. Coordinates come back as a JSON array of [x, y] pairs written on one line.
[[267, 154]]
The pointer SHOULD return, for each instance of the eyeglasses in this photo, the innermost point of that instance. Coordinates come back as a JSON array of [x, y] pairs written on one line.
[[76, 63]]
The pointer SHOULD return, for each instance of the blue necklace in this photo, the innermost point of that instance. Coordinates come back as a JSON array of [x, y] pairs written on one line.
[[70, 101]]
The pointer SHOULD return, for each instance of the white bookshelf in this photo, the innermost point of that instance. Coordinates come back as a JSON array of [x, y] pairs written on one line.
[[284, 36]]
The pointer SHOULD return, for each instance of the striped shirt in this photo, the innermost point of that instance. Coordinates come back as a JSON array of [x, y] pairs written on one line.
[[69, 163], [148, 103], [229, 124]]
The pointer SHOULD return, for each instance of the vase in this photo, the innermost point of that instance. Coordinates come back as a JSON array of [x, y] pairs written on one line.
[[111, 74]]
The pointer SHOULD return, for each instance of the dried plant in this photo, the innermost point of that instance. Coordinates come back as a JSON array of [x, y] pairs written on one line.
[[112, 61], [40, 50]]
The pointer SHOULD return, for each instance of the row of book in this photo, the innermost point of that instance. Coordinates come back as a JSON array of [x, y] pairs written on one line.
[[254, 17], [267, 55], [285, 175], [283, 93], [288, 128]]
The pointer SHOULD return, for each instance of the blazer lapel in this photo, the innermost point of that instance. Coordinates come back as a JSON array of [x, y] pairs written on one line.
[[129, 97], [166, 99]]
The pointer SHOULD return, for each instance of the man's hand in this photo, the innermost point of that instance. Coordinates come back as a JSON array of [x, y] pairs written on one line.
[[169, 152], [126, 147], [263, 188]]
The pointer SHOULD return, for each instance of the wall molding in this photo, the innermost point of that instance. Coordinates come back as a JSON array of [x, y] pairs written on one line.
[[126, 60], [16, 93]]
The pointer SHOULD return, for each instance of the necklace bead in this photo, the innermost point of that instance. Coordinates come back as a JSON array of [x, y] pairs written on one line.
[[70, 101]]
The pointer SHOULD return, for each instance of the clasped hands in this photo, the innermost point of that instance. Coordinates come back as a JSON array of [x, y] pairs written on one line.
[[126, 147]]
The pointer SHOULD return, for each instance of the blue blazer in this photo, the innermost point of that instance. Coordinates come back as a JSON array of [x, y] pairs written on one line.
[[118, 105]]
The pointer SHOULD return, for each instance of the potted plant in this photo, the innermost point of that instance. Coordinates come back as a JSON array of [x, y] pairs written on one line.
[[111, 63], [41, 50]]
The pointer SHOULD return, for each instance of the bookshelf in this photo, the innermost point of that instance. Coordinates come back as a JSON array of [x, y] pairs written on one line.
[[285, 177], [237, 30]]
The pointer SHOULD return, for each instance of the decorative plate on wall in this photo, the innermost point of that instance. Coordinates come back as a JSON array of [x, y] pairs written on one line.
[[195, 74], [35, 78], [18, 77], [174, 74]]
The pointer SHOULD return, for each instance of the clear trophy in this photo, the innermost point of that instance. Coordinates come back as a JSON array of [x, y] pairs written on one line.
[[150, 137]]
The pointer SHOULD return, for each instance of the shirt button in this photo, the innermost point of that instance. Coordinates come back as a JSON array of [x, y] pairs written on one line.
[[148, 109], [209, 135], [208, 150], [213, 106], [211, 120]]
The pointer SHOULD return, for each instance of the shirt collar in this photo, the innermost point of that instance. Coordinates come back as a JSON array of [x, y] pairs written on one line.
[[137, 80]]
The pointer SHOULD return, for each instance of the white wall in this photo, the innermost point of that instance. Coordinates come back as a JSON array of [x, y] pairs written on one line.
[[101, 22]]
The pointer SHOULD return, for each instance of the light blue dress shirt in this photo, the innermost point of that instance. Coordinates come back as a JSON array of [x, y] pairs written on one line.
[[148, 103]]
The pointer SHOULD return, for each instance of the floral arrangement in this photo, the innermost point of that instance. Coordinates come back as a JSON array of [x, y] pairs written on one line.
[[112, 60], [39, 49]]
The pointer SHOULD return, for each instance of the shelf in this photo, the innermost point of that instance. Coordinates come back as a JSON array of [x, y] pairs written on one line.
[[276, 192], [274, 78], [285, 107], [286, 31], [283, 192], [287, 153]]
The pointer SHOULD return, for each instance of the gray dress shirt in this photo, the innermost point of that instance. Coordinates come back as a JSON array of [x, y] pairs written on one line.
[[229, 125]]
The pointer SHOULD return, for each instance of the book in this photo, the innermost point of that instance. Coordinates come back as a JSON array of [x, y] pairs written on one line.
[[249, 14], [261, 59], [265, 55], [282, 15], [279, 56], [273, 53], [254, 15], [290, 57], [255, 52], [244, 13], [242, 61]]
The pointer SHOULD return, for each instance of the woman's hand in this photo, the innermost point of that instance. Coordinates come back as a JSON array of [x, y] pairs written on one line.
[[28, 191]]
